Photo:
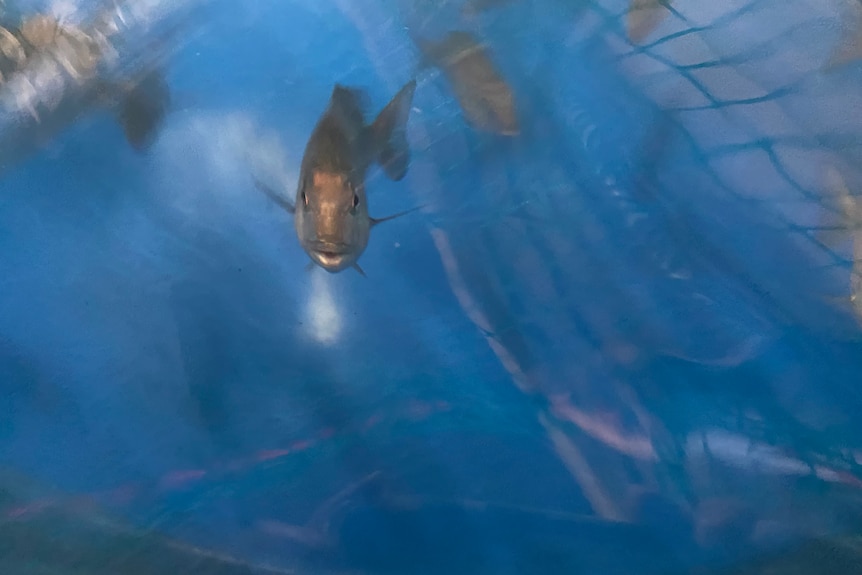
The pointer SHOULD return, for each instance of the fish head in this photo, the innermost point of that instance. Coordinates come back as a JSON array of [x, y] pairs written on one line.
[[331, 219]]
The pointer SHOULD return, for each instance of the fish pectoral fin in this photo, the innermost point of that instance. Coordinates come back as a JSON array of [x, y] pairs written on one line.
[[359, 269], [389, 133], [309, 267], [275, 197], [376, 221]]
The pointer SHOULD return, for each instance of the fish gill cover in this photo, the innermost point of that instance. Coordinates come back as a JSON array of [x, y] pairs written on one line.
[[621, 335]]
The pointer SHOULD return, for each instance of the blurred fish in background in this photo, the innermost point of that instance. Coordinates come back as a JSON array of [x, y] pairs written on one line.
[[55, 71], [484, 96], [643, 18]]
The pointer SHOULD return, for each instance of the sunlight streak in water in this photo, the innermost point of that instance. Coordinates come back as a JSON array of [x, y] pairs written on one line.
[[322, 314], [65, 10], [212, 157]]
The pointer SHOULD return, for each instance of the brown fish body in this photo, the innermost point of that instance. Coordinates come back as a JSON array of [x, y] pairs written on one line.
[[483, 94], [330, 211]]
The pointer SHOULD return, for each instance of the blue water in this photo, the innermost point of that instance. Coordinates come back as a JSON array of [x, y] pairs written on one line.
[[575, 314]]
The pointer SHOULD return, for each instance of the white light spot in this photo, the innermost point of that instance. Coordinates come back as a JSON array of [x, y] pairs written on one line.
[[322, 314]]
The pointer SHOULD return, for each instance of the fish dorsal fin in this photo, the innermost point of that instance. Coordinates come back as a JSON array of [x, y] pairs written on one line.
[[376, 221], [351, 96], [348, 104], [275, 197], [389, 133], [359, 269]]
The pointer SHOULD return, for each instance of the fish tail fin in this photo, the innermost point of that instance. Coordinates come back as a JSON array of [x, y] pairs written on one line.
[[389, 132], [143, 105]]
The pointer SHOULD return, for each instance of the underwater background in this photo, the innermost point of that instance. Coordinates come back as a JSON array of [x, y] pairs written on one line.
[[622, 338]]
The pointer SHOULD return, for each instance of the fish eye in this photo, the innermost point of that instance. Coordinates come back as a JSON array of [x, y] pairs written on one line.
[[355, 200], [304, 199]]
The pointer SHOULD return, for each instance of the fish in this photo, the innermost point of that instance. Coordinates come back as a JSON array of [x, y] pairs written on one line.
[[644, 16], [330, 210], [484, 96], [50, 77]]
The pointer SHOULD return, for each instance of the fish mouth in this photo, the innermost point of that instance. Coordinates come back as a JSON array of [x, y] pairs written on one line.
[[330, 256], [329, 249]]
